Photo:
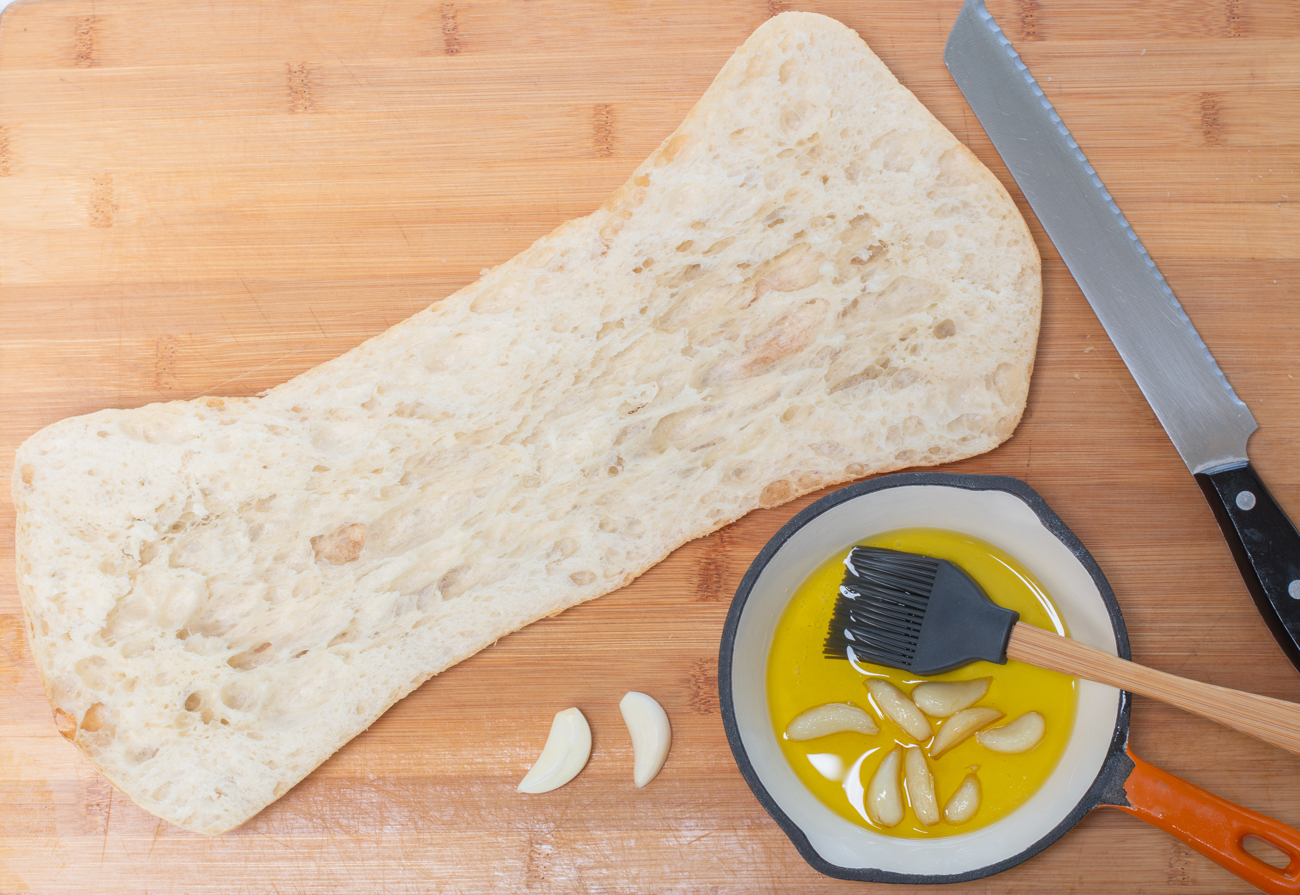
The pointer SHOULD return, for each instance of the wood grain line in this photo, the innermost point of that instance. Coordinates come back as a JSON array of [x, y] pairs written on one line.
[[164, 363], [703, 679], [541, 851], [84, 41], [1029, 25], [1236, 22], [13, 644], [6, 153], [450, 30], [1211, 131], [102, 207], [602, 129], [96, 804], [776, 7], [1180, 860], [300, 94], [711, 574]]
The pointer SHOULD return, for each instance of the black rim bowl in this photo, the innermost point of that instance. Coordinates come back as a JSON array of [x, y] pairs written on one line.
[[1105, 787]]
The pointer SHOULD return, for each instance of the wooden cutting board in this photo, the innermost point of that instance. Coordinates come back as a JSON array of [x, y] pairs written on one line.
[[208, 198]]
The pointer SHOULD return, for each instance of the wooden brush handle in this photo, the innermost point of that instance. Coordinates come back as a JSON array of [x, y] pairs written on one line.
[[1271, 720]]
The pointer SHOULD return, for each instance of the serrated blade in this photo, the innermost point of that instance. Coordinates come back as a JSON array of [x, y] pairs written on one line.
[[1208, 423]]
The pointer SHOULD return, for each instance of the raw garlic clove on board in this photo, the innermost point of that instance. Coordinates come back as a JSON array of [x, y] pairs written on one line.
[[920, 787], [884, 795], [1020, 735], [647, 722], [964, 802], [565, 754], [833, 717], [939, 699], [960, 726], [895, 705]]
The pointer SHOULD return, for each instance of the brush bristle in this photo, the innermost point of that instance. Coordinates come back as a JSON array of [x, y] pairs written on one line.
[[881, 606]]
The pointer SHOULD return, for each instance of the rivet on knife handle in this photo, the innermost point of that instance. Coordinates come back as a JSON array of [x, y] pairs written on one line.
[[1265, 545]]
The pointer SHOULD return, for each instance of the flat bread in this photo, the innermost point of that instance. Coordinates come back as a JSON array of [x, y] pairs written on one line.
[[810, 281]]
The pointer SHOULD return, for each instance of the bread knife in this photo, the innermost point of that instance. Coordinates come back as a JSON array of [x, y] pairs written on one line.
[[1207, 422]]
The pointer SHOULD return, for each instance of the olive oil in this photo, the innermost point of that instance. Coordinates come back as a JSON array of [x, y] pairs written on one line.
[[836, 768]]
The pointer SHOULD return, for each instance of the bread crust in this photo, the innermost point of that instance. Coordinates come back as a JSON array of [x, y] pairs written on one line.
[[808, 282]]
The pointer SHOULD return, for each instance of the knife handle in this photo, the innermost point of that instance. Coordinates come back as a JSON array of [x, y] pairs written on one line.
[[1266, 546]]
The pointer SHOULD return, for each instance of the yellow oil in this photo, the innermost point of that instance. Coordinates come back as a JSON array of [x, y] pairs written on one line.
[[836, 768]]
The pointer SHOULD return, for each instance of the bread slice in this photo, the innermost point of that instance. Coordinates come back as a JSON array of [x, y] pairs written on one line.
[[810, 281]]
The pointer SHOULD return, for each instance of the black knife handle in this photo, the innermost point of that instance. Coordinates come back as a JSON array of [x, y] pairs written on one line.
[[1266, 546]]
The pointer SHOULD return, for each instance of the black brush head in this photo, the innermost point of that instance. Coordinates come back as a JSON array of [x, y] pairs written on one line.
[[914, 612]]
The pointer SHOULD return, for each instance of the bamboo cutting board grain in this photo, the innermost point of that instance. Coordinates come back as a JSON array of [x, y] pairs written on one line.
[[208, 198]]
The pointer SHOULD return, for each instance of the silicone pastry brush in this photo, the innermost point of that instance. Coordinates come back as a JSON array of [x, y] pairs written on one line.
[[926, 616]]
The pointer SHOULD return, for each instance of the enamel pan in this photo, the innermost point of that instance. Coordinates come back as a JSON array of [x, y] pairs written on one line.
[[1097, 769]]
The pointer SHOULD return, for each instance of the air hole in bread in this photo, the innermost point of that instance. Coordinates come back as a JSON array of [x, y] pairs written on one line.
[[93, 672], [458, 580], [65, 723], [95, 719], [252, 658], [775, 493], [343, 545], [240, 695]]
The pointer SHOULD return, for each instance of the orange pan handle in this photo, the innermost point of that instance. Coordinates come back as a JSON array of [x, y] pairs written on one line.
[[1213, 826]]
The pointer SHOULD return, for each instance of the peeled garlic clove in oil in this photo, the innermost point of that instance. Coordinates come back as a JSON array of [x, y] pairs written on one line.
[[647, 722], [960, 726], [964, 802], [884, 795], [899, 709], [939, 699], [833, 717], [565, 754], [920, 787], [1020, 735]]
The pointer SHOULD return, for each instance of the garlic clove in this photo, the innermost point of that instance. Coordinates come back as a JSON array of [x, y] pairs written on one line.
[[833, 717], [647, 722], [964, 802], [1020, 735], [960, 726], [939, 699], [920, 787], [884, 795], [895, 705], [565, 754]]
